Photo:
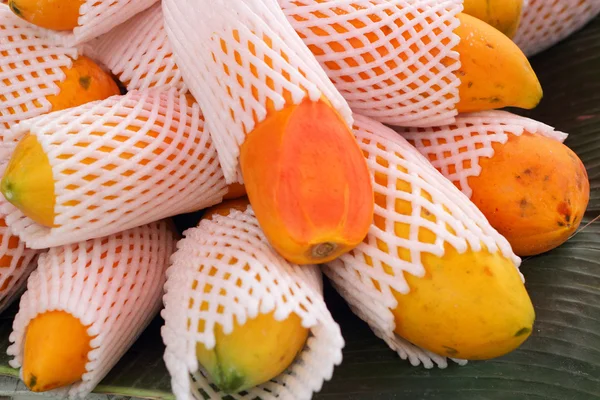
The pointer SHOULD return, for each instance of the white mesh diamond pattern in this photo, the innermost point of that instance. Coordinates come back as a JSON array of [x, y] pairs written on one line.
[[120, 163], [30, 68], [455, 150], [241, 61], [392, 60], [403, 176], [246, 277], [546, 22], [113, 285], [96, 17], [139, 53]]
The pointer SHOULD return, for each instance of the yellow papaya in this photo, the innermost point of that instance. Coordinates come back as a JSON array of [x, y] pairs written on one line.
[[58, 15], [235, 366], [504, 15]]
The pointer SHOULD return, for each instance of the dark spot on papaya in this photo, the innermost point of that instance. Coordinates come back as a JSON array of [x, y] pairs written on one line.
[[518, 176], [522, 331], [564, 210], [32, 382], [14, 8], [85, 82], [450, 351], [488, 271], [527, 171], [495, 100], [491, 46], [460, 72], [546, 178], [499, 86], [470, 84], [561, 224], [523, 203]]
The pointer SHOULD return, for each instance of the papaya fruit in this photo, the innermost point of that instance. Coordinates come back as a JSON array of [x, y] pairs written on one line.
[[84, 82], [58, 15], [494, 72], [307, 182], [56, 351], [465, 301], [532, 188], [504, 15], [232, 364]]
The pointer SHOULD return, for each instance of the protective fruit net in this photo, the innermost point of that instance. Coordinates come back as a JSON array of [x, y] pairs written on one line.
[[138, 52], [392, 60], [96, 17], [120, 163], [113, 285], [455, 150], [366, 276], [30, 69], [243, 59], [546, 22], [224, 270]]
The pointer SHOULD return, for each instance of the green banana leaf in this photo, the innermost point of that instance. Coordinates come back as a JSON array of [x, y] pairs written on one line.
[[560, 361]]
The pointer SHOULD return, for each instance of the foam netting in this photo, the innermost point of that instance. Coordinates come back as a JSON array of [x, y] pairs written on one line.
[[120, 163], [30, 69], [224, 270], [96, 17], [455, 150], [438, 206], [139, 53], [546, 22], [392, 60], [113, 285], [242, 59]]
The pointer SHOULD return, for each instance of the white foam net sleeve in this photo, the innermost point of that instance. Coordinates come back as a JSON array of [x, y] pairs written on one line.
[[455, 150], [96, 17], [243, 58], [547, 22], [113, 285], [248, 278], [138, 52], [30, 69], [120, 163], [392, 60], [402, 174]]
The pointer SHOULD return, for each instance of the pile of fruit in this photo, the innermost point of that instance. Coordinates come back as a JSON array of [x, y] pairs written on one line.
[[362, 139]]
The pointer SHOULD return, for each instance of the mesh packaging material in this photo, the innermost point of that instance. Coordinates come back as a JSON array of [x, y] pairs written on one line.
[[227, 263], [455, 150], [96, 17], [392, 60], [243, 58], [139, 53], [113, 285], [30, 69], [546, 22], [436, 206], [120, 163]]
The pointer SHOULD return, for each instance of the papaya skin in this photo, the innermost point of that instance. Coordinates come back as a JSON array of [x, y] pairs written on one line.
[[232, 364], [28, 182], [55, 351], [85, 82], [235, 191], [58, 15], [504, 15], [534, 191], [494, 72], [471, 306], [308, 183]]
